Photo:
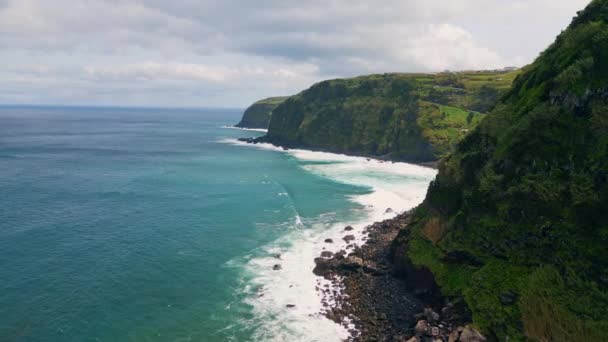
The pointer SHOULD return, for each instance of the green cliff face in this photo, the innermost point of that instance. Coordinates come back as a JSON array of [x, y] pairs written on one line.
[[409, 117], [516, 221], [258, 114]]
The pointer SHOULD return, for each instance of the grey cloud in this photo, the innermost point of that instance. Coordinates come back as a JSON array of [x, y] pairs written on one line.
[[217, 44]]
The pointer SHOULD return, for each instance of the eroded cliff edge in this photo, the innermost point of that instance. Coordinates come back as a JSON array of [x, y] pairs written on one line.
[[258, 114]]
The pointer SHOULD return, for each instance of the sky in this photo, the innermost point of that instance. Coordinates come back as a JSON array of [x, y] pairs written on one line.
[[228, 53]]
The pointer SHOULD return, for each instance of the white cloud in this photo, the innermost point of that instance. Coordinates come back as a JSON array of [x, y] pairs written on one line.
[[154, 70], [233, 51], [450, 47]]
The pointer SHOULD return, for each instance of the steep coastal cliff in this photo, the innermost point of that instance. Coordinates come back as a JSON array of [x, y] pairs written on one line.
[[406, 117], [258, 114], [515, 223]]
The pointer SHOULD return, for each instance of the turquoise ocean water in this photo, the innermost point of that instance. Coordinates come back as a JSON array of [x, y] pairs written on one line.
[[156, 225]]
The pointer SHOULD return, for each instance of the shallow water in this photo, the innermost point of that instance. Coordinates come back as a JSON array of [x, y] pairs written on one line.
[[155, 224]]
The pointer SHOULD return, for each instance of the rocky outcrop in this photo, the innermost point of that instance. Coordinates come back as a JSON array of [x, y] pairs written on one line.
[[376, 297], [258, 114]]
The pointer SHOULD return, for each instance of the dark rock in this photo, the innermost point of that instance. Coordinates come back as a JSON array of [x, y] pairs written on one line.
[[277, 267], [348, 228], [327, 254], [329, 241], [290, 306], [389, 210], [422, 328], [247, 140], [332, 316], [323, 266], [431, 316], [349, 238], [352, 263]]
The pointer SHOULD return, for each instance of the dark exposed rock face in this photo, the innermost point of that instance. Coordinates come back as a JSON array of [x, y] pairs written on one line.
[[349, 238], [327, 254]]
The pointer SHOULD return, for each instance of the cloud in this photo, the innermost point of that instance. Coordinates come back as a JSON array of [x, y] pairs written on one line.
[[243, 50]]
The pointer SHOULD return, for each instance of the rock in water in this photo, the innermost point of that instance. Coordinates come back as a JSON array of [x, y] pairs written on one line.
[[277, 267], [327, 254], [349, 238]]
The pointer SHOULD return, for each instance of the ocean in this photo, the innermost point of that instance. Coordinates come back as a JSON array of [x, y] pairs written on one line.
[[122, 224]]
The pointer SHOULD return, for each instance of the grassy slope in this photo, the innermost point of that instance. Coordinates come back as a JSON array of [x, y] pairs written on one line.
[[413, 117], [258, 114], [523, 199]]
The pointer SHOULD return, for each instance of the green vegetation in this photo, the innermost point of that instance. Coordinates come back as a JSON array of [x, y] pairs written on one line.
[[410, 117], [258, 114], [522, 199]]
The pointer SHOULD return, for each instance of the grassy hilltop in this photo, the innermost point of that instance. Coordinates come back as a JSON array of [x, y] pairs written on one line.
[[516, 221]]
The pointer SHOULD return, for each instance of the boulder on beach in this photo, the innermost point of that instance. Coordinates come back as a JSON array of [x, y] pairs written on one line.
[[352, 263], [327, 254], [348, 228], [329, 241], [422, 328], [277, 267], [349, 238]]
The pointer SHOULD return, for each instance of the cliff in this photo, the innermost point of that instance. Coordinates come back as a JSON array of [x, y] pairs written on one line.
[[258, 114], [515, 222], [406, 117]]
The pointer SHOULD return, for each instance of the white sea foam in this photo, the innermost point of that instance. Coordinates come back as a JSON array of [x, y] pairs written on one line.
[[247, 129], [398, 186]]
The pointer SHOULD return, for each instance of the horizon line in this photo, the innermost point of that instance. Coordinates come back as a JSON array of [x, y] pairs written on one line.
[[84, 106]]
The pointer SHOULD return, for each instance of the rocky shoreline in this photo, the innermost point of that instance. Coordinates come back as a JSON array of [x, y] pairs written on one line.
[[376, 300], [287, 146]]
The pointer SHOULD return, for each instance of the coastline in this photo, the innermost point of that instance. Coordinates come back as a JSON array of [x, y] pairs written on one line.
[[383, 301], [367, 289], [264, 140], [397, 185], [261, 130]]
